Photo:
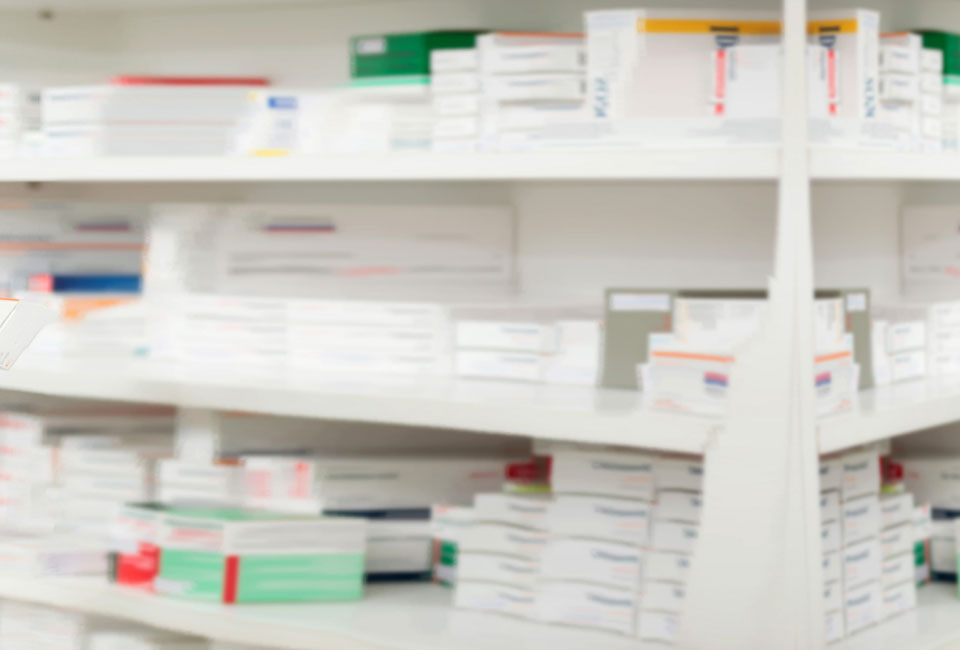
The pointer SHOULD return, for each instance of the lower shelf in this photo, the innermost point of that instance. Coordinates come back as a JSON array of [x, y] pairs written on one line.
[[391, 617], [935, 625]]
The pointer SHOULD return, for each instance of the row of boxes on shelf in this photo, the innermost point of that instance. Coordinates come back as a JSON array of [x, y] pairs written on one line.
[[45, 628], [470, 90], [873, 540]]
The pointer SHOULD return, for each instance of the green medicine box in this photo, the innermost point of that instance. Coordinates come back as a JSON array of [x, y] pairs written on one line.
[[240, 556], [949, 44], [385, 55]]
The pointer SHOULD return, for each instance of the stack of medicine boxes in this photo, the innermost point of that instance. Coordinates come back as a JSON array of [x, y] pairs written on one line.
[[899, 87], [598, 526], [679, 483], [899, 341], [455, 86], [868, 545], [947, 65], [529, 82], [498, 560]]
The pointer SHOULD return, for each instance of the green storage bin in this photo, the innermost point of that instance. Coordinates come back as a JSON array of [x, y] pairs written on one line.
[[383, 55]]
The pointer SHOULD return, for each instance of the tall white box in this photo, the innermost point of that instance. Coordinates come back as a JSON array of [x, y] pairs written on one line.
[[853, 36], [650, 62]]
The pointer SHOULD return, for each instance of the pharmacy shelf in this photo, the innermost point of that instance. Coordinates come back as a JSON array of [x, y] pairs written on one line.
[[935, 625], [888, 411], [569, 413], [839, 165], [390, 617], [716, 164]]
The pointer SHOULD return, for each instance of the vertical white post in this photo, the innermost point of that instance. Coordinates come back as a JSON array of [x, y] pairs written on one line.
[[756, 580]]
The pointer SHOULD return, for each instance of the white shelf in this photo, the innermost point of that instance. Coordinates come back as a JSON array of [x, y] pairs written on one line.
[[710, 164], [889, 411], [390, 617], [935, 625], [826, 164], [570, 413]]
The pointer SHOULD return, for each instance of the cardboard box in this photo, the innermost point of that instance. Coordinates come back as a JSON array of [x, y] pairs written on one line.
[[678, 506], [832, 596], [832, 567], [511, 366], [236, 556], [898, 600], [896, 509], [863, 607], [402, 54], [535, 87], [895, 87], [627, 475], [933, 480], [521, 53], [663, 597], [897, 540], [650, 62], [457, 105], [455, 83], [931, 60], [658, 626], [673, 536], [463, 59], [514, 572], [622, 520], [860, 474], [831, 473], [898, 570], [52, 556], [664, 566], [495, 598], [503, 539], [860, 518], [830, 537], [586, 605], [517, 510], [829, 506], [903, 59], [834, 626], [608, 563], [861, 563], [679, 474], [854, 35]]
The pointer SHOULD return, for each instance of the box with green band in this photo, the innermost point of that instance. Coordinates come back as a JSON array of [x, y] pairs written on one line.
[[243, 556]]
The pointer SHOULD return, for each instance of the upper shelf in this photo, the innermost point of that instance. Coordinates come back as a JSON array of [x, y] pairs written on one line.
[[702, 164], [569, 413], [889, 411], [746, 164]]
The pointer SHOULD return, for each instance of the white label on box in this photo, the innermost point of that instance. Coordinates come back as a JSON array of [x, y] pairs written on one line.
[[667, 567], [908, 365], [454, 60], [832, 597], [832, 567], [863, 607], [605, 473], [518, 510], [830, 537], [587, 606], [640, 302], [658, 626], [861, 563], [480, 567], [675, 536], [456, 105], [856, 302], [931, 60], [943, 555], [899, 599], [931, 84], [897, 540], [503, 539], [906, 335], [896, 570], [679, 474], [896, 510], [833, 626], [663, 597], [624, 520], [931, 105], [829, 506], [488, 597], [860, 474], [678, 506], [861, 519], [616, 565], [831, 473], [455, 82]]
